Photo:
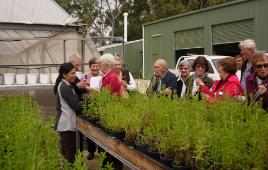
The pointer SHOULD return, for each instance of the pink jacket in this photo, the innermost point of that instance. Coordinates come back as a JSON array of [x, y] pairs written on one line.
[[229, 87]]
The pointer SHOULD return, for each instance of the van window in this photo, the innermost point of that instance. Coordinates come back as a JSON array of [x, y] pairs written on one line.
[[215, 62]]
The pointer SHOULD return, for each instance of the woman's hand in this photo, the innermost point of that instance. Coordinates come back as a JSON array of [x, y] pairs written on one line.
[[200, 83], [123, 83], [262, 89]]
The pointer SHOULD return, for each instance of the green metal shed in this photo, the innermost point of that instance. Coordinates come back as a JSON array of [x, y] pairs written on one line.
[[133, 59], [213, 31]]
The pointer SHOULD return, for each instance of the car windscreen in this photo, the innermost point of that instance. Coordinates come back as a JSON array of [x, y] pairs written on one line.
[[215, 62]]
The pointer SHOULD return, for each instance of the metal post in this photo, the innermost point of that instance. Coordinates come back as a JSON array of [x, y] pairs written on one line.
[[123, 57], [77, 140], [64, 51], [83, 55]]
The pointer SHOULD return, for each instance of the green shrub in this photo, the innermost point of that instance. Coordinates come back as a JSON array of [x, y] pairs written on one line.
[[221, 135], [26, 142]]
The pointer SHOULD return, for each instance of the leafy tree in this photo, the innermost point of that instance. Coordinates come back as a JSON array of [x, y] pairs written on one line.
[[84, 10], [103, 16]]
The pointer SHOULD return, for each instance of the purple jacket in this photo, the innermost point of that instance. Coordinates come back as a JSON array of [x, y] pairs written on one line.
[[252, 88]]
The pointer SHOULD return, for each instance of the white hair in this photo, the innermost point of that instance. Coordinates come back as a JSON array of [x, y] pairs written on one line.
[[74, 56], [117, 58], [161, 62], [107, 58], [184, 63], [248, 44]]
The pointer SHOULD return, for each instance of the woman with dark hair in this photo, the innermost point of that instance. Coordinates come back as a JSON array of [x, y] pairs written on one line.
[[200, 66], [68, 106], [228, 85]]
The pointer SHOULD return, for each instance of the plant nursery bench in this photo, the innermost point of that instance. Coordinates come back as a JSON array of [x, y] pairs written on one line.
[[127, 155]]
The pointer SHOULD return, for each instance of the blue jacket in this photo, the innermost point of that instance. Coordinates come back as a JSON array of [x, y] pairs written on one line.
[[168, 81]]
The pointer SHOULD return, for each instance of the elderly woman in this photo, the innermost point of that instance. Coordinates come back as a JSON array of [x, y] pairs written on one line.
[[184, 73], [257, 83], [93, 82], [128, 83], [110, 79], [228, 85], [93, 77], [200, 66]]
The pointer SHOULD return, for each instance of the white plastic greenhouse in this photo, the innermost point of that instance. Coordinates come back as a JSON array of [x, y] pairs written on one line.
[[35, 37]]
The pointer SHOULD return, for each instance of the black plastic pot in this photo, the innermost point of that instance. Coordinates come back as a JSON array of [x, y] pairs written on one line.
[[166, 161], [177, 167], [120, 135], [153, 154], [130, 142], [92, 120], [98, 124], [106, 130], [142, 147]]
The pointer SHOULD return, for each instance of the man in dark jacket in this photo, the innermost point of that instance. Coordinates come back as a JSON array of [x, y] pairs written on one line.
[[248, 49], [163, 82]]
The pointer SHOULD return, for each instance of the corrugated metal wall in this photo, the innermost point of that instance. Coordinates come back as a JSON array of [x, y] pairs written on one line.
[[231, 22], [133, 56]]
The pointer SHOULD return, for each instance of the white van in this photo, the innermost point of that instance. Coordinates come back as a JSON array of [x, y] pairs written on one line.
[[212, 60]]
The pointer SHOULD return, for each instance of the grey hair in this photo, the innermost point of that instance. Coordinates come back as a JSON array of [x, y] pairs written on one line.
[[184, 63], [117, 58], [74, 56], [107, 58], [248, 44], [161, 62]]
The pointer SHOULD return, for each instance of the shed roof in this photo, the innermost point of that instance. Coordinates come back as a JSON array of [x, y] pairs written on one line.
[[33, 12], [197, 11]]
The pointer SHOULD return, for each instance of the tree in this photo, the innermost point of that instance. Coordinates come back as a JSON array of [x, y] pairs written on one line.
[[113, 12], [84, 10], [106, 16]]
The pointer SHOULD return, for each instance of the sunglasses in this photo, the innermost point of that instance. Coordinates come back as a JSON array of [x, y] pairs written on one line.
[[261, 65]]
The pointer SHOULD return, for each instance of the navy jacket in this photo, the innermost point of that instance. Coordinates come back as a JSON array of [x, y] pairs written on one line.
[[169, 80]]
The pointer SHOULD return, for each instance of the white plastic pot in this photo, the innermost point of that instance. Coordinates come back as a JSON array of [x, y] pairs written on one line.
[[20, 78], [32, 78], [44, 78], [9, 78], [54, 77], [1, 79]]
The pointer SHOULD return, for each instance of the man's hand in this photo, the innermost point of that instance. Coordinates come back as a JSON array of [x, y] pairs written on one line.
[[166, 91]]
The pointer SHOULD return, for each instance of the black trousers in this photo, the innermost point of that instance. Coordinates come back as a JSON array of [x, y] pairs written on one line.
[[68, 145], [91, 146]]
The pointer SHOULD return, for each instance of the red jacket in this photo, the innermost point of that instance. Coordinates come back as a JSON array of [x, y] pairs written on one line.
[[112, 82], [229, 87]]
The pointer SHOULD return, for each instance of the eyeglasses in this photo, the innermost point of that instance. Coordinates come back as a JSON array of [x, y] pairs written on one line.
[[261, 65]]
